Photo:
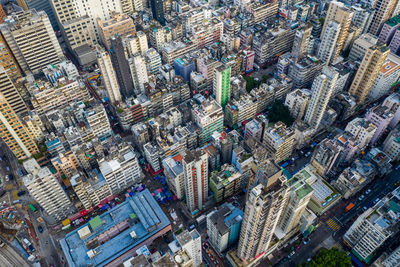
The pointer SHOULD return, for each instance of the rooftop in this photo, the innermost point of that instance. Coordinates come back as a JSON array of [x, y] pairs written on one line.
[[393, 21], [114, 233]]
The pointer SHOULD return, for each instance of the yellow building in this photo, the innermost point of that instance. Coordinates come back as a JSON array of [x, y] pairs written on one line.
[[7, 60], [343, 15], [368, 72], [14, 133]]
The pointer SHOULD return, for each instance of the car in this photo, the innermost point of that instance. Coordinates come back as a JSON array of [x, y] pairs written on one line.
[[309, 259], [368, 191], [291, 254], [365, 208], [40, 229], [361, 197]]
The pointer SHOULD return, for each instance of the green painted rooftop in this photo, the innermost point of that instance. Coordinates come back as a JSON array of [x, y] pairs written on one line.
[[393, 21]]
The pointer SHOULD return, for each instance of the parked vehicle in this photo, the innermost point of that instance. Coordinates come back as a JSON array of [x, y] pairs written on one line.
[[40, 229], [21, 193]]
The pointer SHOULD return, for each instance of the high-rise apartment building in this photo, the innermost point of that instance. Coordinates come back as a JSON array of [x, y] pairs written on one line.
[[362, 17], [374, 227], [361, 130], [128, 6], [97, 120], [120, 24], [45, 189], [279, 141], [304, 71], [138, 68], [388, 75], [90, 190], [7, 60], [191, 242], [207, 32], [43, 5], [263, 209], [77, 29], [223, 226], [82, 12], [157, 8], [391, 146], [209, 118], [14, 133], [301, 41], [222, 77], [152, 155], [31, 39], [11, 93], [3, 14], [343, 15], [300, 193], [120, 168], [322, 89], [153, 59], [195, 172], [136, 43], [383, 11], [108, 75], [361, 45], [173, 170], [368, 72], [297, 102], [328, 43], [121, 66]]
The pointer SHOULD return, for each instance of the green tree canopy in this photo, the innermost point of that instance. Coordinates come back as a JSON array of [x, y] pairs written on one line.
[[329, 258], [280, 112], [251, 83]]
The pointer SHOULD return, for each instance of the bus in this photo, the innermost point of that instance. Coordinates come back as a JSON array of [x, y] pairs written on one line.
[[32, 207], [201, 219], [349, 207]]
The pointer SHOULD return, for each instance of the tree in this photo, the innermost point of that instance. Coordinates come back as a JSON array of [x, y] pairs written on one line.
[[265, 78], [329, 258], [280, 112], [251, 83]]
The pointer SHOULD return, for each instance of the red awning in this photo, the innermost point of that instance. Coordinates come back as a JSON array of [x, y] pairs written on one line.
[[83, 212]]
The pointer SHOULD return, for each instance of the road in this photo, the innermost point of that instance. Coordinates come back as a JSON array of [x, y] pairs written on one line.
[[49, 250], [8, 257], [335, 220], [47, 247], [379, 188]]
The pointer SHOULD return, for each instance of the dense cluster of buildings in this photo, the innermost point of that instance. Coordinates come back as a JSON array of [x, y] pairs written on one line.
[[218, 97]]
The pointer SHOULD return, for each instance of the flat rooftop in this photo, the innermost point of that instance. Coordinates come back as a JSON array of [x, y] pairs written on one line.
[[115, 232]]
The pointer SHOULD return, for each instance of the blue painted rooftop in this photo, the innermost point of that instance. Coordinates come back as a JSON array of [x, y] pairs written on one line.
[[52, 142], [151, 219]]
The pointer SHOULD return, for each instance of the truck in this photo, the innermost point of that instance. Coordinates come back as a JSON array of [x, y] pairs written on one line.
[[32, 207], [349, 207], [27, 242]]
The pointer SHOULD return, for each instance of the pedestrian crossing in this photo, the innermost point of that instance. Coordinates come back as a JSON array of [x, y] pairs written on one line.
[[333, 225]]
